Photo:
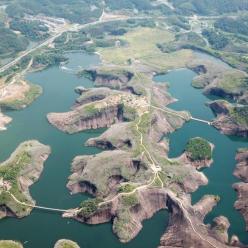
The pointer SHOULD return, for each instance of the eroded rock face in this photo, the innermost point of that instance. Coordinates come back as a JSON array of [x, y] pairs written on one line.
[[214, 78], [116, 167], [110, 78], [242, 203], [134, 179], [128, 219], [230, 120], [76, 120], [186, 228], [241, 172]]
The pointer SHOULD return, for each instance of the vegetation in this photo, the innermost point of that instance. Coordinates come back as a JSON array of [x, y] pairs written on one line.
[[129, 113], [238, 25], [79, 11], [64, 243], [126, 188], [240, 114], [21, 65], [89, 207], [10, 171], [48, 59], [10, 244], [146, 50], [130, 200], [233, 83], [138, 6], [90, 110], [11, 43], [216, 40], [209, 7], [33, 30], [179, 22], [198, 149], [121, 224]]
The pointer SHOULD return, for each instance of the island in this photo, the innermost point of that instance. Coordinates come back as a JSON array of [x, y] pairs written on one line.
[[65, 243], [133, 178], [17, 174], [10, 244], [199, 152]]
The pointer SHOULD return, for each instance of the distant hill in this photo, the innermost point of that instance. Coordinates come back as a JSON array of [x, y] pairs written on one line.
[[80, 11], [209, 7]]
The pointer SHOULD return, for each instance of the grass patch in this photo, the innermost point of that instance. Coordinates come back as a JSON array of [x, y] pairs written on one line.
[[233, 82], [126, 188], [130, 200], [90, 110], [143, 46]]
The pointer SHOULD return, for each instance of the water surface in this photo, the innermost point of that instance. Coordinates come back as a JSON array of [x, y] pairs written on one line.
[[42, 229], [220, 174]]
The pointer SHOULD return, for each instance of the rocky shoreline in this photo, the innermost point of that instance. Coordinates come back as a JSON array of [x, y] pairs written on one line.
[[4, 121], [125, 189], [241, 172], [17, 174], [231, 119]]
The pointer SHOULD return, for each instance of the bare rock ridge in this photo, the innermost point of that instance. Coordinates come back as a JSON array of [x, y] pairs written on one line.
[[231, 119], [241, 171], [81, 118], [110, 77]]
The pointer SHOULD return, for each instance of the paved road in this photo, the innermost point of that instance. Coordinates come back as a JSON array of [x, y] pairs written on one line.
[[50, 40]]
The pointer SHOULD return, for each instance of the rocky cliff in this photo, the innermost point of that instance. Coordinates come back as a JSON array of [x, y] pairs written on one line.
[[231, 119], [81, 118], [241, 172], [186, 229]]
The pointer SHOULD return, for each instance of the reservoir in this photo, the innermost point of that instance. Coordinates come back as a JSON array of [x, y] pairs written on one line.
[[220, 173], [42, 229]]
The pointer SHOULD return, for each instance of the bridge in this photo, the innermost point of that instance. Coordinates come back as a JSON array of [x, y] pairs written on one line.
[[200, 120], [40, 207]]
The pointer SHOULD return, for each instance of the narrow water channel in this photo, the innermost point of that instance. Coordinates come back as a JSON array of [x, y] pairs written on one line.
[[220, 173], [42, 229]]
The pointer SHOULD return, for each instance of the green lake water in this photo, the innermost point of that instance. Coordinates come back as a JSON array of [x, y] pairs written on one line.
[[220, 173], [42, 229]]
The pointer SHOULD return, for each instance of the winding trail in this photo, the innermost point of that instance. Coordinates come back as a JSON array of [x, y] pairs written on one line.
[[181, 116], [192, 225]]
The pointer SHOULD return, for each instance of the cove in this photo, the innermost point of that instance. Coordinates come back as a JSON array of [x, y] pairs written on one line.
[[42, 229], [220, 173]]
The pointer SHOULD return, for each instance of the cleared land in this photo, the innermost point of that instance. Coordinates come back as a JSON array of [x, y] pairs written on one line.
[[142, 48]]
